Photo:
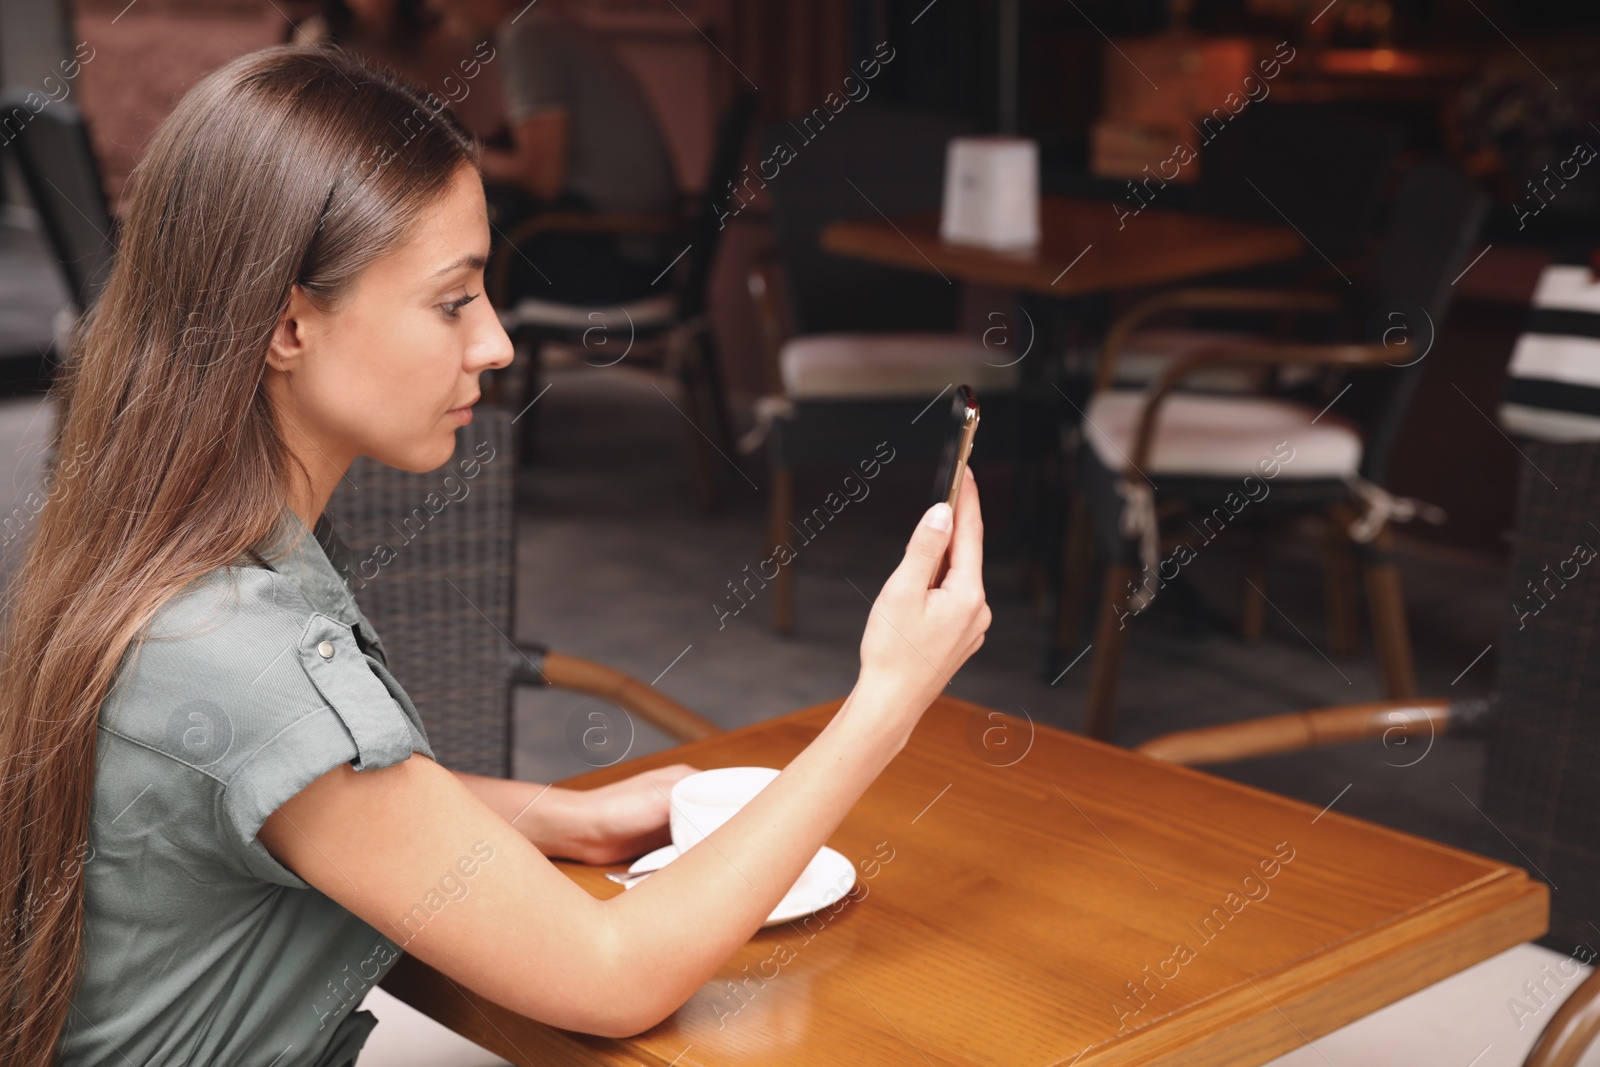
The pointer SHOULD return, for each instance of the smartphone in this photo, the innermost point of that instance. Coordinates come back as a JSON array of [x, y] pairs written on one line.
[[957, 447]]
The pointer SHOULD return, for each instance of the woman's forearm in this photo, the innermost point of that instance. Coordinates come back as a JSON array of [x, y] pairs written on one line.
[[544, 814], [685, 921], [633, 959]]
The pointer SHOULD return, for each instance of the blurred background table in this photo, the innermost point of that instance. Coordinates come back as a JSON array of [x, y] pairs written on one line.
[[1086, 247], [1021, 896]]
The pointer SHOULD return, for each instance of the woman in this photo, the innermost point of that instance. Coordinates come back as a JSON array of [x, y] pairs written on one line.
[[221, 817]]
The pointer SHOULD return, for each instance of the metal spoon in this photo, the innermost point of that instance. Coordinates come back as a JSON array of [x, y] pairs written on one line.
[[629, 879], [635, 876]]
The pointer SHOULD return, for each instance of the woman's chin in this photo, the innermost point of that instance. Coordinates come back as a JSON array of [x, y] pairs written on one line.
[[419, 460]]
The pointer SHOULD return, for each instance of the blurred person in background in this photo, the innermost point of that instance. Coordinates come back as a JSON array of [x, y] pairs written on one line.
[[582, 139], [414, 39]]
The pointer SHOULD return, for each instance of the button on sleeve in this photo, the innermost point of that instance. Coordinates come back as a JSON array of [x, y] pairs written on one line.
[[359, 691], [366, 720]]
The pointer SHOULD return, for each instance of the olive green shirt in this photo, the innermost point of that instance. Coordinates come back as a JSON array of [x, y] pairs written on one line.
[[200, 948]]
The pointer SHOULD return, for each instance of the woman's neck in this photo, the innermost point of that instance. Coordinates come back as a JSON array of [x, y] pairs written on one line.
[[309, 498]]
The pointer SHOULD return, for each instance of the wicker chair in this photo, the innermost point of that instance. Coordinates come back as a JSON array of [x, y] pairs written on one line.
[[1543, 733], [433, 567], [1155, 456]]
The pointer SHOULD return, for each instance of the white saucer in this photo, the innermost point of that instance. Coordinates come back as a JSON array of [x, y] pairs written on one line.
[[826, 878]]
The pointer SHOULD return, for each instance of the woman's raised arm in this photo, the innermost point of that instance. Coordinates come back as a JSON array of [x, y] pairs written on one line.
[[396, 845]]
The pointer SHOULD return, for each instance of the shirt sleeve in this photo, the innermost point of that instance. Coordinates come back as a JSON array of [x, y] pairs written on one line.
[[364, 719], [533, 70]]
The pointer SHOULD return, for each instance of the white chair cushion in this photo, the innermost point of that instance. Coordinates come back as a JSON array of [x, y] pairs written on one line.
[[648, 313], [1149, 352], [1467, 1019], [867, 366], [1201, 435], [404, 1037]]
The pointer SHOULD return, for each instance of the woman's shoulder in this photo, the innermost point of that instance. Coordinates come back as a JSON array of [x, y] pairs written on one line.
[[241, 693], [241, 662]]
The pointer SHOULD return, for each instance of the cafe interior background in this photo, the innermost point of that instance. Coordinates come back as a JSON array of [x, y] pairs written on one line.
[[785, 379]]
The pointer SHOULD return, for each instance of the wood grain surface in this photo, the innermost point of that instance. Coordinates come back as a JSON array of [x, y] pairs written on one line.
[[1029, 896]]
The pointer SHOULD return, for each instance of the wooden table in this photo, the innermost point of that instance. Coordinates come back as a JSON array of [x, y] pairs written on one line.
[[1022, 897], [1153, 247]]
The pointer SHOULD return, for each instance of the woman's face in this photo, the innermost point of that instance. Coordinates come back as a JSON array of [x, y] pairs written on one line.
[[394, 371]]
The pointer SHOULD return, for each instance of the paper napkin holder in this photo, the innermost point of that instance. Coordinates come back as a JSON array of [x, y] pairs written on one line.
[[991, 192]]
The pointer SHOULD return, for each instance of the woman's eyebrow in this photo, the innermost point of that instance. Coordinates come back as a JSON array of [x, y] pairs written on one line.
[[471, 259]]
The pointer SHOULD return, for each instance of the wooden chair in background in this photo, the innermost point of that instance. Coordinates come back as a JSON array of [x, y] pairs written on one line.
[[1323, 166], [857, 353], [1163, 454], [670, 328]]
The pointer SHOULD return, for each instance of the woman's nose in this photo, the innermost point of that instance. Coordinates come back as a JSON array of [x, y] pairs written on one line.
[[493, 348]]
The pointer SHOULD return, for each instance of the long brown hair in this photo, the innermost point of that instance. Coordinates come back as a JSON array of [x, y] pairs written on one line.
[[290, 165]]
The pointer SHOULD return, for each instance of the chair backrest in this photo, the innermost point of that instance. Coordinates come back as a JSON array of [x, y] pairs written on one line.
[[1553, 380], [705, 233], [1433, 224], [434, 572], [867, 159], [53, 152], [1322, 167], [1540, 790]]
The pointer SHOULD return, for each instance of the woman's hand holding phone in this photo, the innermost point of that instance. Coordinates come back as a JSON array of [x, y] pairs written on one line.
[[917, 637]]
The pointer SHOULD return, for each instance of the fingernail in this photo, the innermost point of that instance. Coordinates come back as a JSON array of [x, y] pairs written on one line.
[[938, 516]]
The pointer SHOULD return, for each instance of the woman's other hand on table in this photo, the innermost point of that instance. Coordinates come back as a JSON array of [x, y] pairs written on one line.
[[623, 820]]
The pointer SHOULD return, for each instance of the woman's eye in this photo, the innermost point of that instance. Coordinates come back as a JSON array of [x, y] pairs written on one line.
[[453, 309]]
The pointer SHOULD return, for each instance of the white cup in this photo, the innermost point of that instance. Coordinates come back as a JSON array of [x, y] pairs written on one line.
[[707, 799]]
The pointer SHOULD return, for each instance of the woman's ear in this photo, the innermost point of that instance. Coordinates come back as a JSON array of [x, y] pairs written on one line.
[[289, 342]]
